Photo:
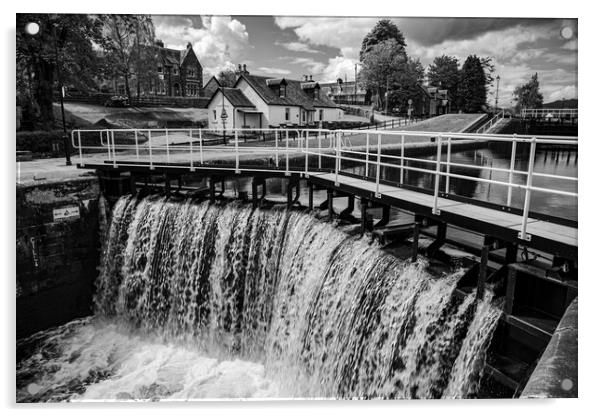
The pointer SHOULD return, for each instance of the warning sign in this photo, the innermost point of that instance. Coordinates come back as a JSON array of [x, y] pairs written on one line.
[[66, 213]]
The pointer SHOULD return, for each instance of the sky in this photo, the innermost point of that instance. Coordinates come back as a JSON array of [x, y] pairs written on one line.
[[328, 47]]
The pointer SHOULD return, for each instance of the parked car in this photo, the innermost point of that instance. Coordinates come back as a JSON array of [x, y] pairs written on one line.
[[117, 101]]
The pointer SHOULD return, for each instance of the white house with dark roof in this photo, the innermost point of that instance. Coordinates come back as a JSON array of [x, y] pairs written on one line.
[[257, 102]]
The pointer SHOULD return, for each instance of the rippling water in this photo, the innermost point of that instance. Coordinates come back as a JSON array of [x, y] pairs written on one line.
[[197, 301]]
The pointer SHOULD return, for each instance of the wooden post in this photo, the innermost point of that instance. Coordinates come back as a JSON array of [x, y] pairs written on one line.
[[487, 246], [310, 189], [416, 236], [329, 195]]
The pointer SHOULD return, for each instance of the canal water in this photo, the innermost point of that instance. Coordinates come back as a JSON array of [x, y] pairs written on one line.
[[197, 300]]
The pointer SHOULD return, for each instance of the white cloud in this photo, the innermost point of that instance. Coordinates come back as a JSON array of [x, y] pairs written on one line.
[[275, 71], [298, 47], [311, 65], [567, 92], [218, 44]]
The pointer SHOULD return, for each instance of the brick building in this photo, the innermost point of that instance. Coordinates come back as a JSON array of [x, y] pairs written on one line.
[[179, 73]]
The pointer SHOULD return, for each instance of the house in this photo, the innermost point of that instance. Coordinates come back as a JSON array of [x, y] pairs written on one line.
[[211, 87], [258, 102], [178, 73], [346, 92]]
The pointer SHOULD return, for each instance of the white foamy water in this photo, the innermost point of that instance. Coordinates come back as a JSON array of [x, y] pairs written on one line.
[[198, 301]]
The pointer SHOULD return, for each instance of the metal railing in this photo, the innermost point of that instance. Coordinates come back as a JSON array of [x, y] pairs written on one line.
[[311, 149], [483, 129], [549, 113]]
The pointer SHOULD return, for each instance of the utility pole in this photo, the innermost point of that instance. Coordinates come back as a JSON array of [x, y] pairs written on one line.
[[497, 90], [61, 92]]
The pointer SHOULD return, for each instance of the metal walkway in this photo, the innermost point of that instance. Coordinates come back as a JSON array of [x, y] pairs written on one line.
[[324, 159]]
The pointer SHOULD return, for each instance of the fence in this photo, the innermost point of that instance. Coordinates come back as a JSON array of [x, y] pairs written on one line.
[[549, 113], [157, 149]]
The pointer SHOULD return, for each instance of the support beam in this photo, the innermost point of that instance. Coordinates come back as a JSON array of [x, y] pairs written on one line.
[[310, 191], [386, 216], [366, 224], [416, 237], [489, 243], [167, 185], [439, 241], [350, 206], [329, 200]]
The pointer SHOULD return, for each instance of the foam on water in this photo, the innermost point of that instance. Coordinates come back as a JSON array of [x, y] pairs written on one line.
[[195, 301]]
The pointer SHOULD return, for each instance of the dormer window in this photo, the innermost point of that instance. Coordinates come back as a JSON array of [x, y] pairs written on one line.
[[282, 91]]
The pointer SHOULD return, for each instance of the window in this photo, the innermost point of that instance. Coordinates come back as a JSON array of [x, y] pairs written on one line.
[[160, 69], [321, 115], [191, 72], [214, 114], [287, 114], [282, 91], [175, 70], [303, 115]]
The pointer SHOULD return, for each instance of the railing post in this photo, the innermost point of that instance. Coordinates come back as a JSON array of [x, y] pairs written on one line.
[[191, 150], [319, 151], [150, 150], [436, 210], [276, 136], [167, 144], [337, 158], [79, 145], [401, 159], [523, 230], [306, 154], [113, 144], [367, 154], [201, 145], [511, 173], [136, 140], [237, 169], [448, 162], [377, 193], [286, 172]]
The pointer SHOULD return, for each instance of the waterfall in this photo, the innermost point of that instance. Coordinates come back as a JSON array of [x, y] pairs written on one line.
[[326, 313]]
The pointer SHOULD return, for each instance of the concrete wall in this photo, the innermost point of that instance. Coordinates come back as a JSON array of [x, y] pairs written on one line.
[[57, 256]]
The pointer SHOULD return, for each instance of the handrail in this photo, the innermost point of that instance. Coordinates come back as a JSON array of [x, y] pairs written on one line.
[[156, 148], [491, 122], [549, 112]]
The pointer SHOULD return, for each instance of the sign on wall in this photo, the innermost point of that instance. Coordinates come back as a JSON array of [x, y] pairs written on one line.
[[66, 213]]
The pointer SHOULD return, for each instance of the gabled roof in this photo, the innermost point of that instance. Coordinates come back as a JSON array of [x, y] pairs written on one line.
[[295, 95], [212, 85], [234, 96], [170, 57]]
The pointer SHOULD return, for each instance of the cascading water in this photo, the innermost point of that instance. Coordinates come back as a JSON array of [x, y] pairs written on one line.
[[198, 300]]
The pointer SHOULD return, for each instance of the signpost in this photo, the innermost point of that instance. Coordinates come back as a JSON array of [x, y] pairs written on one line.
[[410, 108]]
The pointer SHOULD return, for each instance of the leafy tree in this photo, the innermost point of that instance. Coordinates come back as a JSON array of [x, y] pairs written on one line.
[[62, 47], [127, 41], [382, 69], [407, 85], [384, 30], [444, 73], [227, 78], [528, 95], [472, 89]]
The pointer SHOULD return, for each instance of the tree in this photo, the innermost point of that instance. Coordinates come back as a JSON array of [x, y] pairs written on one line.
[[528, 95], [444, 73], [227, 78], [407, 85], [63, 46], [382, 69], [384, 30], [127, 41], [472, 89]]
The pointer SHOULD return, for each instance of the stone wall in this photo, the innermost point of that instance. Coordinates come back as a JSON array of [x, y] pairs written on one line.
[[57, 252]]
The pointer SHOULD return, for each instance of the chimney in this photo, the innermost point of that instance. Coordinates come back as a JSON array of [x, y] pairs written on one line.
[[304, 77], [189, 45], [159, 42], [311, 78], [244, 69]]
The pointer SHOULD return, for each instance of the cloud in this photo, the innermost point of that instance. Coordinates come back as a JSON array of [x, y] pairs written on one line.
[[218, 42], [298, 47], [275, 71], [567, 92], [570, 45], [311, 65]]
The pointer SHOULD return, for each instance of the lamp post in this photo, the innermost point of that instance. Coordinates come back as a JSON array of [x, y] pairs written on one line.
[[224, 117], [497, 90]]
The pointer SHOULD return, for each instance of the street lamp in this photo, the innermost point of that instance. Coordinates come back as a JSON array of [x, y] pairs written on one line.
[[497, 90], [33, 29]]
